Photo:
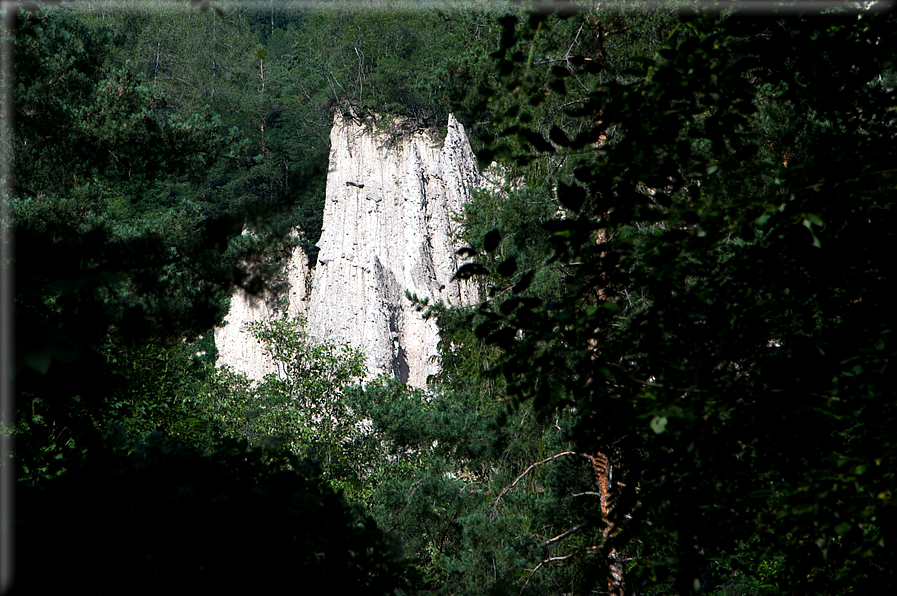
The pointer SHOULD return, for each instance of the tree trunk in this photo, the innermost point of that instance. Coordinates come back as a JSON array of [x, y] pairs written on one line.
[[610, 473]]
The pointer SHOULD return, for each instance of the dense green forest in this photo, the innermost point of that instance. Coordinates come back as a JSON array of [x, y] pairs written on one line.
[[676, 382]]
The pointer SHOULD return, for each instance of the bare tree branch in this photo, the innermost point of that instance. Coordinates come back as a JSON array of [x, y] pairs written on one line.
[[524, 473], [560, 537], [536, 568]]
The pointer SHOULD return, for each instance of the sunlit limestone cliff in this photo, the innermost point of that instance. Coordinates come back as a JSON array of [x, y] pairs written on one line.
[[389, 225]]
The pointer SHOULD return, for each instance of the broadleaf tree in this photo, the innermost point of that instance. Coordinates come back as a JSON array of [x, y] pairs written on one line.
[[299, 407], [724, 342]]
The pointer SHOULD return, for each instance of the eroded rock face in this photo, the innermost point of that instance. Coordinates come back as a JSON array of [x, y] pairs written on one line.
[[388, 228], [235, 344]]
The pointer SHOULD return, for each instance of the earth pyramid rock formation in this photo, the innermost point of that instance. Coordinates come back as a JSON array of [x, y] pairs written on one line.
[[389, 224]]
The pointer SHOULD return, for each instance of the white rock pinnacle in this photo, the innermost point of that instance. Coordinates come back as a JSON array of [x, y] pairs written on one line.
[[388, 227]]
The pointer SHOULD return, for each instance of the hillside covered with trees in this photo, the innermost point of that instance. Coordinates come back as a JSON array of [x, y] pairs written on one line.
[[676, 382]]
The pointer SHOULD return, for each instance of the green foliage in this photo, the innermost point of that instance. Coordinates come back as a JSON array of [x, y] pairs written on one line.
[[460, 490], [397, 60], [160, 388], [300, 406], [693, 272], [428, 466], [85, 279], [42, 446], [78, 124], [105, 280], [154, 388], [515, 219], [727, 217], [536, 84], [277, 73], [214, 61]]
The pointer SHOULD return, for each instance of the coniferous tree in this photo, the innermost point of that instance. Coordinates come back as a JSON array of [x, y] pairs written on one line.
[[107, 282]]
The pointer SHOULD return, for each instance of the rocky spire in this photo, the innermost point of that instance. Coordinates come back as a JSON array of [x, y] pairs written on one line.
[[388, 227]]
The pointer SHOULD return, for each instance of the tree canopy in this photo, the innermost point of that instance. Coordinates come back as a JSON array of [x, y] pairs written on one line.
[[677, 381], [115, 295], [724, 339]]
